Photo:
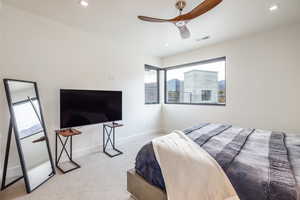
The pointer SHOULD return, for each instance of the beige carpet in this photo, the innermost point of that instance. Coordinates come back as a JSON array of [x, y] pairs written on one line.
[[99, 178]]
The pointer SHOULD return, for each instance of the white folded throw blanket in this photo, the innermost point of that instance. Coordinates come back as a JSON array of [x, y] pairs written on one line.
[[189, 172]]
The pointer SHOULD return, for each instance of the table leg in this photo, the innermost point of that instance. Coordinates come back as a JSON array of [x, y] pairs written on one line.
[[64, 149], [112, 141], [56, 149], [71, 148]]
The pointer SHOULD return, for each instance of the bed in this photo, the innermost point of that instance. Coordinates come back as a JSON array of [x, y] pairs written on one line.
[[261, 165]]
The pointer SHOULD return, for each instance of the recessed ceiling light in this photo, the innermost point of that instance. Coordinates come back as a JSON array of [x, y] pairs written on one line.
[[84, 3], [273, 7], [166, 45]]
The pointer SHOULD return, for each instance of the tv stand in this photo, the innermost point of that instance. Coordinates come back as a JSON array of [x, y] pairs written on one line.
[[109, 131], [60, 134]]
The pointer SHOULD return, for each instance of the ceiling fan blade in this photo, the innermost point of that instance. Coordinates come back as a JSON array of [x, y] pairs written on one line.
[[184, 32], [202, 8], [151, 19]]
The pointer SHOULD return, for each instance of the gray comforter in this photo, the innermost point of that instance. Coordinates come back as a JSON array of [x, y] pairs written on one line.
[[261, 165]]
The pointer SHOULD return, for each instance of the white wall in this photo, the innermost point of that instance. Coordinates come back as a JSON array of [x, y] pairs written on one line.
[[57, 56], [262, 77], [263, 89]]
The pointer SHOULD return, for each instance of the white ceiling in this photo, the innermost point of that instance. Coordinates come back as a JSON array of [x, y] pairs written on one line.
[[118, 19]]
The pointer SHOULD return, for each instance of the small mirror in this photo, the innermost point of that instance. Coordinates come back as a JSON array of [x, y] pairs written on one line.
[[31, 137]]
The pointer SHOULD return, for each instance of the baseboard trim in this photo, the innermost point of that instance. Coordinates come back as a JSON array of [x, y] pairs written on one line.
[[98, 148], [16, 170], [13, 172]]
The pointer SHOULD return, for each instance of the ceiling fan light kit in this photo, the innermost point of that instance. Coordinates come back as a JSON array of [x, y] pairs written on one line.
[[181, 21], [180, 5]]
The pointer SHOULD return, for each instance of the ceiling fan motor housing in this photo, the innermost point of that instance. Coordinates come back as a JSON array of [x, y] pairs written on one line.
[[180, 5], [182, 19]]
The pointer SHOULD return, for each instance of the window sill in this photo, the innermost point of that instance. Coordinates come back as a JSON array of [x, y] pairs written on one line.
[[197, 104]]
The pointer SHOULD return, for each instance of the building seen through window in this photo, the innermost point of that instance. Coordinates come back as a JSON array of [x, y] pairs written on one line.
[[197, 83]]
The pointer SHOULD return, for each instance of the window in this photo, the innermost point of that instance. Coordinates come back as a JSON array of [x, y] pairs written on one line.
[[28, 123], [196, 83], [206, 95], [151, 85]]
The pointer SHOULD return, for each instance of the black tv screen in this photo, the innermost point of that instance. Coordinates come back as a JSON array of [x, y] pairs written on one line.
[[84, 107]]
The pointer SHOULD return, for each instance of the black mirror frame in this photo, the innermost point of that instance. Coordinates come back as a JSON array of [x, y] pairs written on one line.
[[15, 130]]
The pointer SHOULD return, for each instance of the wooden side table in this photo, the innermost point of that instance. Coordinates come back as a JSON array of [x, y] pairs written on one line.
[[68, 133], [109, 131]]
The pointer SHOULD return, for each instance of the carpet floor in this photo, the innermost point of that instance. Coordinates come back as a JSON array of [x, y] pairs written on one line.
[[99, 178]]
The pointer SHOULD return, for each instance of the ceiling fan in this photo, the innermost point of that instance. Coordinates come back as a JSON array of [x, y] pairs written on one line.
[[181, 21]]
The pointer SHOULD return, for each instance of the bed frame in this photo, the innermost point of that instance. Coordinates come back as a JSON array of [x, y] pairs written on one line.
[[140, 189]]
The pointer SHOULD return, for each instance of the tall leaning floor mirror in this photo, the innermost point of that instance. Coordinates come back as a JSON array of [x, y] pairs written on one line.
[[28, 126]]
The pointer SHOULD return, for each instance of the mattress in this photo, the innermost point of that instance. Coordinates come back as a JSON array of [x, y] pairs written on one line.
[[261, 164]]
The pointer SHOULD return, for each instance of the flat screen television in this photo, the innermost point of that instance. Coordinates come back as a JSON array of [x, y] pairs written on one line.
[[85, 107]]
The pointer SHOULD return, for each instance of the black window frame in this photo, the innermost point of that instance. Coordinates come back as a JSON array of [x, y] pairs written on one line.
[[189, 65], [206, 95], [157, 69]]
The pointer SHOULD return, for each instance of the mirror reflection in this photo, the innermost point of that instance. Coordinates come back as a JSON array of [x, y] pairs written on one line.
[[31, 134]]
